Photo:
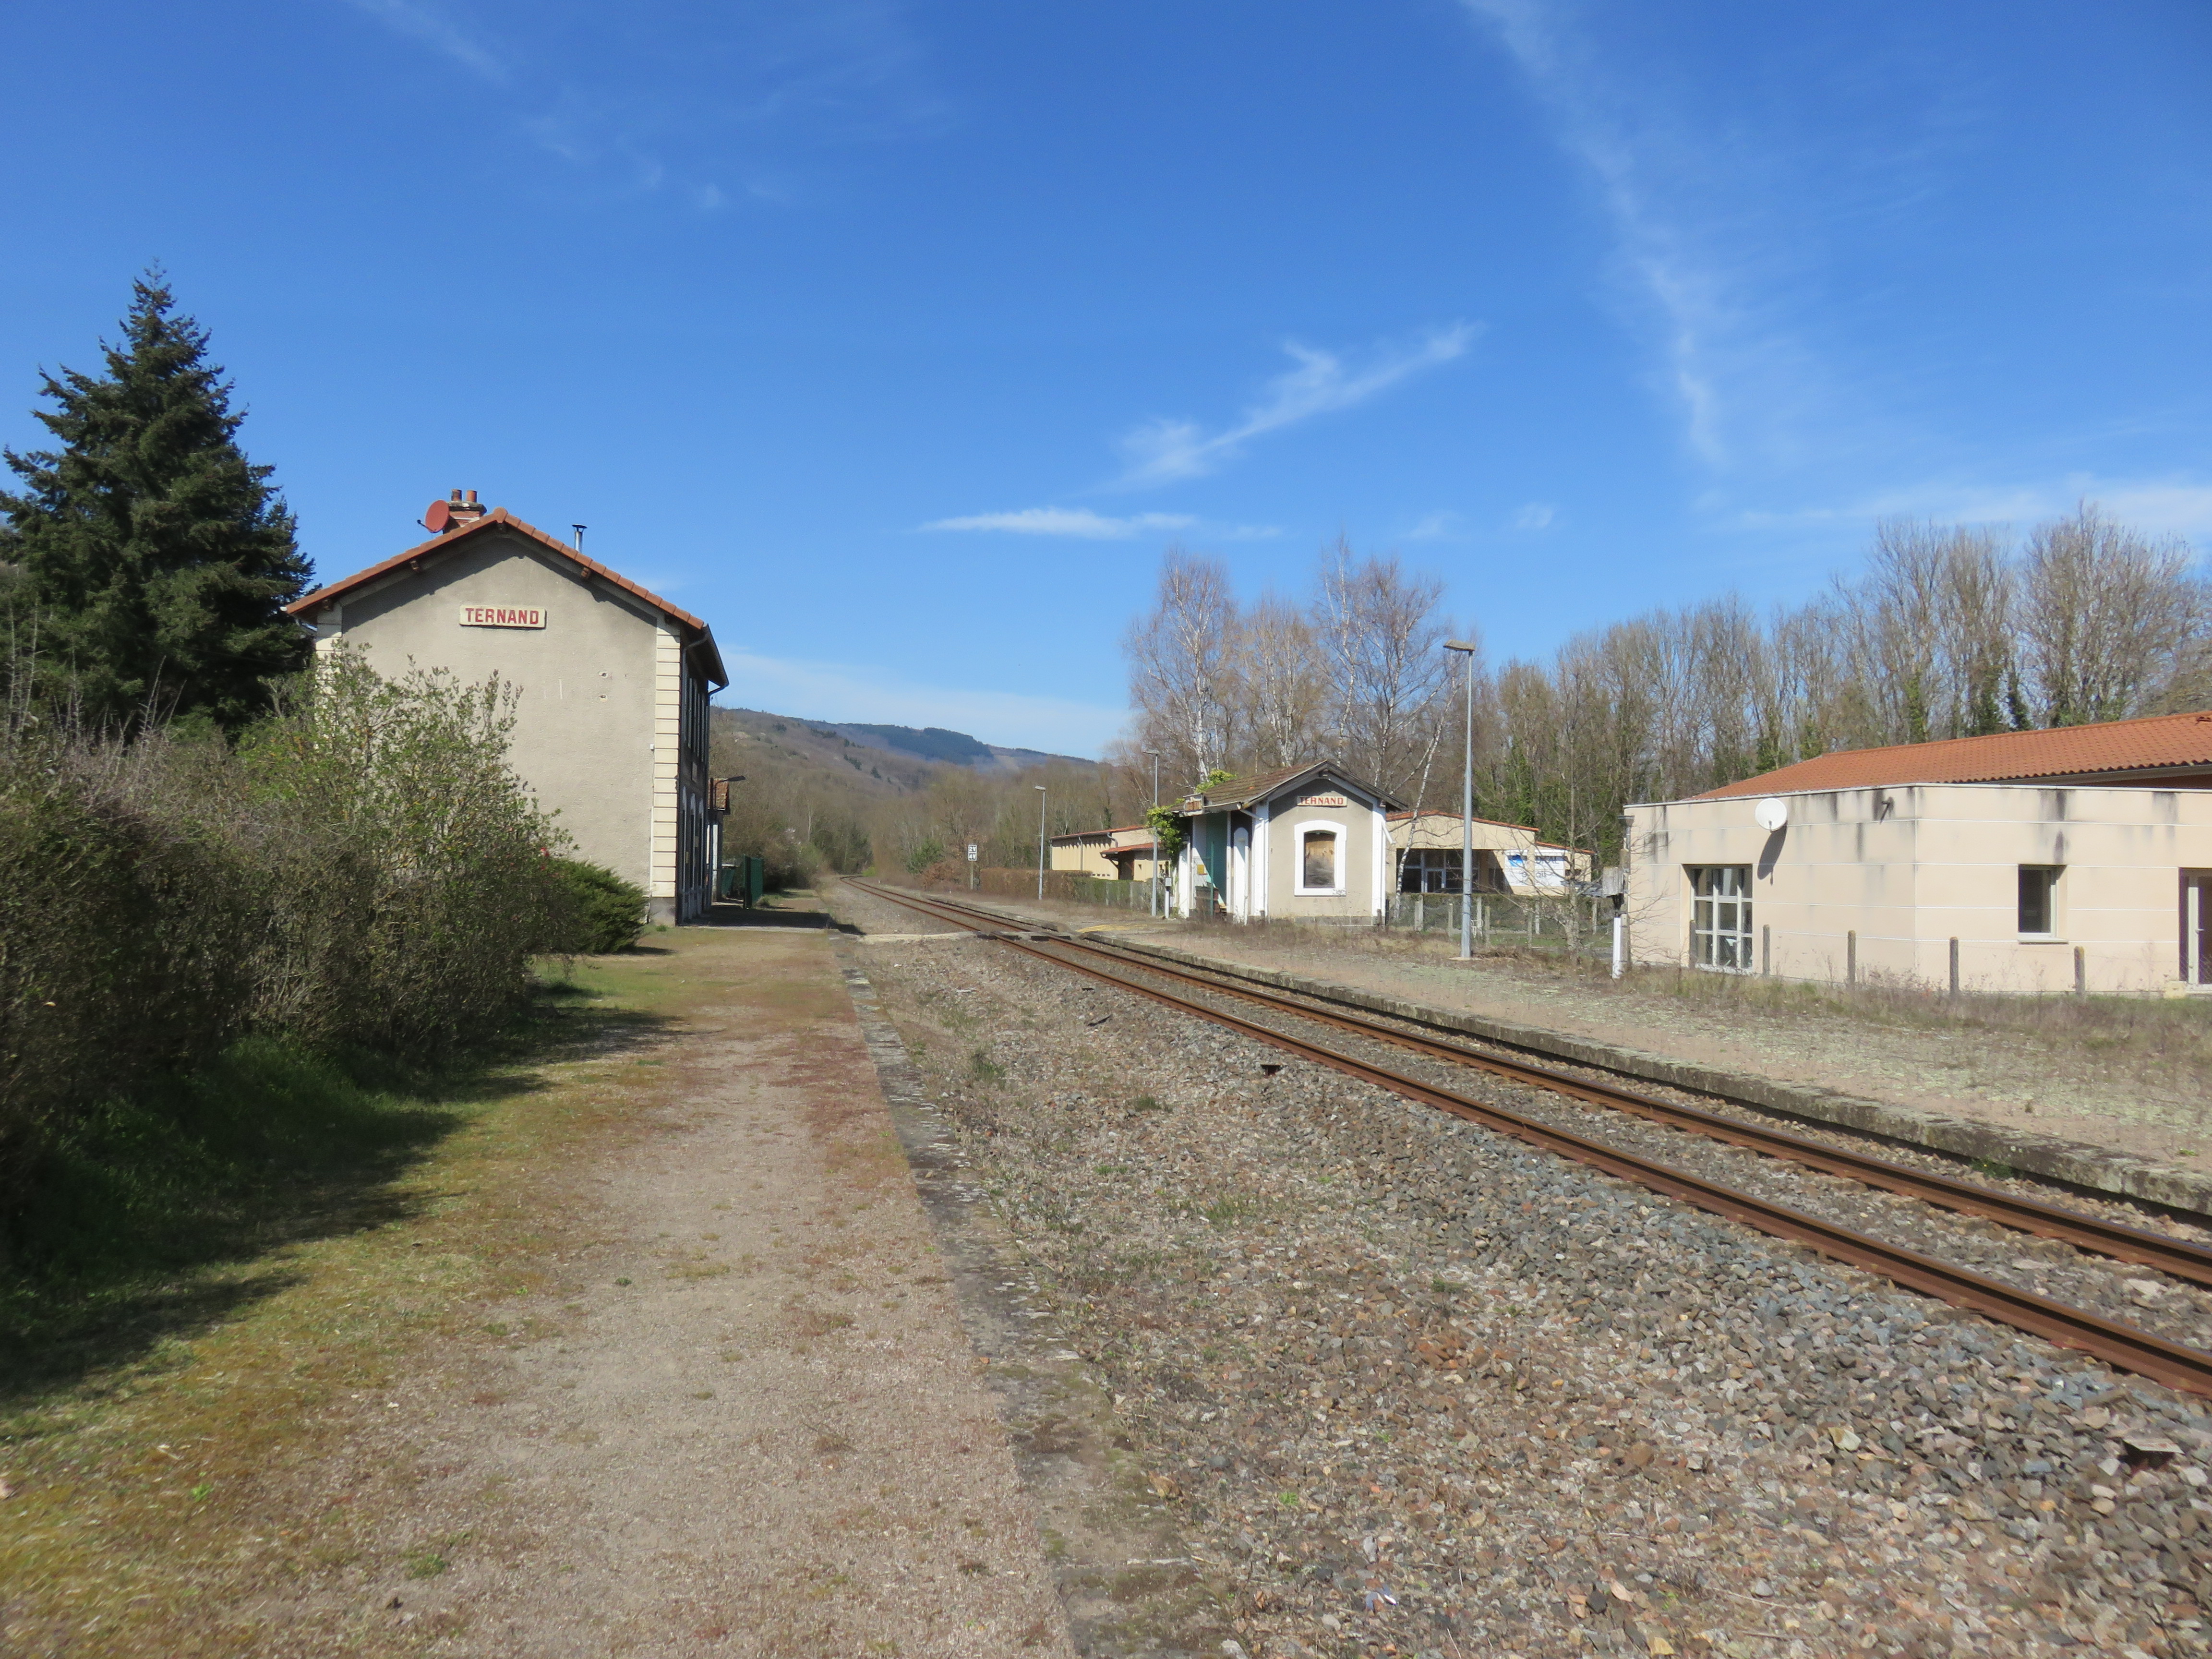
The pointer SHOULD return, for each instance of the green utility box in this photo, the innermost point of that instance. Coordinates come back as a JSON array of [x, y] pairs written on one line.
[[741, 880]]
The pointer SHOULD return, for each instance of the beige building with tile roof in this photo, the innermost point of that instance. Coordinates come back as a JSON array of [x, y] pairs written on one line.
[[1124, 854], [2027, 862], [610, 728]]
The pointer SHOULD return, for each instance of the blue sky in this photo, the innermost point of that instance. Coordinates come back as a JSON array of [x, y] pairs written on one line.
[[898, 340]]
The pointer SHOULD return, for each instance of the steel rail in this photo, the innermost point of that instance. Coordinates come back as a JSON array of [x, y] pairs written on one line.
[[2124, 1346], [2179, 1258]]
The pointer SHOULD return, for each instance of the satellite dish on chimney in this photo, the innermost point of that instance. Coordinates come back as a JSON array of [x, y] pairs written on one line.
[[1771, 813], [438, 518]]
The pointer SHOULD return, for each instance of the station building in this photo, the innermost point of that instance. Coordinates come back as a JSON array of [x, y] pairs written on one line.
[[1305, 842], [2075, 859], [611, 732], [1123, 853], [1508, 857]]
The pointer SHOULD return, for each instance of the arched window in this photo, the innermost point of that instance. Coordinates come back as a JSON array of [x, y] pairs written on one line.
[[1321, 858]]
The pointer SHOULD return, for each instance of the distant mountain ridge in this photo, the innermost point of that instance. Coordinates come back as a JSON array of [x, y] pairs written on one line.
[[909, 750], [955, 748]]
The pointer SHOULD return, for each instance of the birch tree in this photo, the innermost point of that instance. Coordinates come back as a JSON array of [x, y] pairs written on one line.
[[1183, 656]]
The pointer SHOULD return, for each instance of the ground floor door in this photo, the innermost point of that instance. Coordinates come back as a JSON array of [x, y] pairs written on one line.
[[2197, 926]]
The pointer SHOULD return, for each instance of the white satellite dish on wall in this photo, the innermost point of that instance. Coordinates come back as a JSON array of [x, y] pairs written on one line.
[[1771, 813]]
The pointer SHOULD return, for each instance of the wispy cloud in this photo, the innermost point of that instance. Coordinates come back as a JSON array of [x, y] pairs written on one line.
[[745, 110], [441, 34], [847, 692], [2163, 506], [1624, 143], [1434, 527], [1162, 451], [1534, 515], [1725, 219], [1078, 522]]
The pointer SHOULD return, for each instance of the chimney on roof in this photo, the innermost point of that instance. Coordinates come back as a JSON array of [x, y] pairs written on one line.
[[456, 512]]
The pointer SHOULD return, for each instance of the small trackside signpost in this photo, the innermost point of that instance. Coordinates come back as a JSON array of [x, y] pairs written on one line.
[[971, 866], [1614, 885]]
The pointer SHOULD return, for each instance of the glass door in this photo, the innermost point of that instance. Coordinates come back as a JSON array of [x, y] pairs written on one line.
[[2197, 926]]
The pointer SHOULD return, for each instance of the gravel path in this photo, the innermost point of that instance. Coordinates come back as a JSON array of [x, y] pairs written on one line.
[[2130, 1096], [1414, 1389]]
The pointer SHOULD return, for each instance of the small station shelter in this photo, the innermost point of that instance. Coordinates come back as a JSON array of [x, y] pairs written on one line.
[[1302, 842], [2078, 859], [611, 730]]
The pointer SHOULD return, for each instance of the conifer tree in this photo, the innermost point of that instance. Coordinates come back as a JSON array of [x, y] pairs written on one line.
[[158, 559]]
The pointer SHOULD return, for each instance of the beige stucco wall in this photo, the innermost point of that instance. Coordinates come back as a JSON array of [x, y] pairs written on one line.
[[1086, 857], [1909, 868], [1358, 842], [592, 683]]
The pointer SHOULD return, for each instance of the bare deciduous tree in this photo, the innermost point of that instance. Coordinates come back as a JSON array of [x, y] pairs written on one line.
[[1182, 667], [1380, 643], [1282, 687], [2107, 617]]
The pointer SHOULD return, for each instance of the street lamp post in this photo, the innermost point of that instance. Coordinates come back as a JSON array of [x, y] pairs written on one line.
[[1150, 824], [1040, 801], [1467, 648]]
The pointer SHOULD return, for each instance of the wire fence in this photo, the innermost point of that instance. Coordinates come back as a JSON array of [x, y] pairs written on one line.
[[1576, 923], [1572, 922]]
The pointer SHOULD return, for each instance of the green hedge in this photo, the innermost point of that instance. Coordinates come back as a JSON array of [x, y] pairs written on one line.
[[604, 912], [362, 872]]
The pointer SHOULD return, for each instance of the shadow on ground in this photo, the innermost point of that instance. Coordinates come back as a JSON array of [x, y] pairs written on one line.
[[139, 1225], [770, 914]]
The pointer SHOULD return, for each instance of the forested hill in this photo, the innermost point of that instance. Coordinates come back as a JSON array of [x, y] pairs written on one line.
[[820, 794], [896, 759], [955, 748]]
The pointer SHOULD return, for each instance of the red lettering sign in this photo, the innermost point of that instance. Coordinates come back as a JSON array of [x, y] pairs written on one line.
[[502, 616]]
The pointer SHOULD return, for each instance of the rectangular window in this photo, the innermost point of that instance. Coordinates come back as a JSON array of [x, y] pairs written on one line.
[[1319, 854], [1432, 870], [1720, 917], [2038, 898]]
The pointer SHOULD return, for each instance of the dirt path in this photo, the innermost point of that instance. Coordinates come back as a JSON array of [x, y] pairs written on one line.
[[740, 1416]]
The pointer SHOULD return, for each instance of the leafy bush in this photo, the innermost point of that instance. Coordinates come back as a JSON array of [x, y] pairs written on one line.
[[120, 936], [927, 853], [604, 912], [415, 885], [364, 871]]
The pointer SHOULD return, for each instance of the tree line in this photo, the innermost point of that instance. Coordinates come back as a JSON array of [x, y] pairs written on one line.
[[202, 845], [1942, 631]]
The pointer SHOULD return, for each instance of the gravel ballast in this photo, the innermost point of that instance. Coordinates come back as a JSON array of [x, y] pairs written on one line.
[[1411, 1387]]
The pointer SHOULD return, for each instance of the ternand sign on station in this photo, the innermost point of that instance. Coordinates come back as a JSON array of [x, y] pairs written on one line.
[[502, 616]]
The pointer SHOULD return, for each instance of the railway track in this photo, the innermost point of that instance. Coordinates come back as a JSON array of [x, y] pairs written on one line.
[[2124, 1346]]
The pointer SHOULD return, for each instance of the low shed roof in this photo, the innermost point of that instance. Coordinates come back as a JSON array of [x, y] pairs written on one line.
[[2156, 745]]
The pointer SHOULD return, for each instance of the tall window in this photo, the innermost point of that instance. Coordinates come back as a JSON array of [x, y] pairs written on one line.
[[2038, 898], [1318, 854], [1720, 917]]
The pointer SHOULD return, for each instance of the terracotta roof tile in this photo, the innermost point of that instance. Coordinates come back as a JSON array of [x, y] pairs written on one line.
[[2154, 744], [501, 516]]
